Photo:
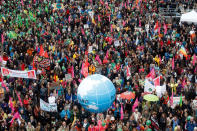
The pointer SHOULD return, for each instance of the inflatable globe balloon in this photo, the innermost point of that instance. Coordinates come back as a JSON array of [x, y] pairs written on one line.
[[96, 93]]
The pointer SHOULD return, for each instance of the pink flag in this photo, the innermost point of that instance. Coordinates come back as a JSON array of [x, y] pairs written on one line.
[[101, 2], [3, 85], [99, 19], [141, 11], [2, 38], [107, 54], [121, 113], [173, 63], [22, 3], [123, 23], [183, 83], [19, 98], [157, 81], [194, 59], [98, 59], [171, 98], [111, 28], [82, 66], [140, 23], [125, 5], [69, 18], [58, 31], [82, 31], [34, 1], [128, 72], [159, 59], [122, 4], [135, 105], [128, 2], [159, 29], [90, 1], [73, 72], [165, 29], [109, 18], [16, 116], [151, 74], [107, 5], [11, 104]]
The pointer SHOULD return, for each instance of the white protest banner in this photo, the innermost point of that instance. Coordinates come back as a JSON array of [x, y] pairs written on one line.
[[86, 26], [148, 87], [91, 13], [194, 104], [160, 90], [52, 107], [176, 101], [68, 77], [117, 43], [20, 74]]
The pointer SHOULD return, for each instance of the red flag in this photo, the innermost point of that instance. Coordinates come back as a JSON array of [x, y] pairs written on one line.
[[135, 105], [157, 81], [173, 63], [46, 55], [165, 29], [34, 1], [151, 74], [121, 113], [82, 31], [41, 53], [156, 26], [2, 38], [194, 59]]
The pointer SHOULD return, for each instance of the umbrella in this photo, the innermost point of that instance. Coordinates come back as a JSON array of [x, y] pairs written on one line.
[[127, 95], [151, 97]]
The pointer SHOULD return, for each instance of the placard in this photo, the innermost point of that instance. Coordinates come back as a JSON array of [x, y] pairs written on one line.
[[52, 107]]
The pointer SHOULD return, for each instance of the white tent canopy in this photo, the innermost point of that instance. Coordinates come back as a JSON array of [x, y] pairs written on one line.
[[190, 17]]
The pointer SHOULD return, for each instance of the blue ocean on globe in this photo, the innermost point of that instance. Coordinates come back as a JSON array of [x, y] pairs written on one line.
[[96, 93]]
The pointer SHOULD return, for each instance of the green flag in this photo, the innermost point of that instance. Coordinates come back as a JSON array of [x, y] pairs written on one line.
[[181, 101]]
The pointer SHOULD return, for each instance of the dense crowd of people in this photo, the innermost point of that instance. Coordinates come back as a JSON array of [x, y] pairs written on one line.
[[121, 39]]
